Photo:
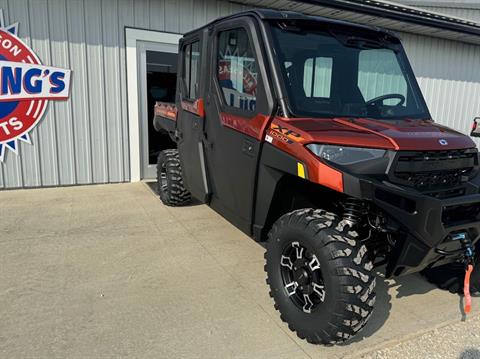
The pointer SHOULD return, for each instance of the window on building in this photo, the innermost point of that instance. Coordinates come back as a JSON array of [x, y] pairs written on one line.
[[237, 69], [191, 67], [317, 77]]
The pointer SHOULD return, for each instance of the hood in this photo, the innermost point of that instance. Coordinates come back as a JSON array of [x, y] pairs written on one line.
[[404, 135]]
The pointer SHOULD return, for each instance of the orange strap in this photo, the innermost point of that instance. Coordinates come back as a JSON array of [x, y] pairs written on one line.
[[466, 289]]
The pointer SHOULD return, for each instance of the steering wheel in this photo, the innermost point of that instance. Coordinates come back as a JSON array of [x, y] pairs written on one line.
[[380, 99]]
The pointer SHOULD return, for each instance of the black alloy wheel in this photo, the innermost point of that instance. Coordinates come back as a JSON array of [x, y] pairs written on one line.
[[302, 277], [320, 276]]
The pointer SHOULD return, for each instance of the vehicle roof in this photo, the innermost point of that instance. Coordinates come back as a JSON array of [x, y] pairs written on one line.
[[269, 14]]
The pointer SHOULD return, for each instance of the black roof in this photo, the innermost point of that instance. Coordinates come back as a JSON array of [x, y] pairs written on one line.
[[270, 14]]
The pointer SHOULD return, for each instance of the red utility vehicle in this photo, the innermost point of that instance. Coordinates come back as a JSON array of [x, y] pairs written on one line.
[[312, 134]]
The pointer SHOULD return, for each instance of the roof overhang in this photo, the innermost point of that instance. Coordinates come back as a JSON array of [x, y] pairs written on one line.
[[384, 14], [459, 4]]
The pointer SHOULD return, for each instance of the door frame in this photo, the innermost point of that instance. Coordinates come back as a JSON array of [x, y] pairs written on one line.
[[148, 171], [132, 36]]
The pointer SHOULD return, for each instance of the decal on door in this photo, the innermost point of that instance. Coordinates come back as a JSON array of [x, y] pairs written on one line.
[[26, 87]]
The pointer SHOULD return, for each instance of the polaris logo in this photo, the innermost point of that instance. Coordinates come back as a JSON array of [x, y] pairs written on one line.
[[443, 142]]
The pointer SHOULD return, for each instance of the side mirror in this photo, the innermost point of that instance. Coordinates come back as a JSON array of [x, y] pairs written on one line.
[[476, 127]]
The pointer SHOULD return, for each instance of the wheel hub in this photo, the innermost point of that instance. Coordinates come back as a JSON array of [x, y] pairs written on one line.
[[301, 272], [302, 277]]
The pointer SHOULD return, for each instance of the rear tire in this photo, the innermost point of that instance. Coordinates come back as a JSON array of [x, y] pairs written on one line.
[[451, 276], [344, 299], [169, 179]]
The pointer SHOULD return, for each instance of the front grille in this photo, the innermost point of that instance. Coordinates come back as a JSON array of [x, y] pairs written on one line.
[[429, 171]]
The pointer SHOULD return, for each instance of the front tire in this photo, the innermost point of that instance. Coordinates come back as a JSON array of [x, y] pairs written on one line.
[[169, 179], [320, 276]]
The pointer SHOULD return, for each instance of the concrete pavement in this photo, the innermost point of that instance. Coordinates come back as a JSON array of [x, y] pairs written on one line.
[[108, 271], [459, 340]]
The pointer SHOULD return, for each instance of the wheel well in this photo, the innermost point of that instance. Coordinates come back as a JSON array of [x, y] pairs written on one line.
[[292, 193]]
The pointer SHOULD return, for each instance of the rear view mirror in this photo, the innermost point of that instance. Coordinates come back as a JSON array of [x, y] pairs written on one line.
[[476, 127]]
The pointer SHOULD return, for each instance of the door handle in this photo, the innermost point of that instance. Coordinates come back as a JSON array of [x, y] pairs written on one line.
[[178, 135], [248, 148], [207, 143]]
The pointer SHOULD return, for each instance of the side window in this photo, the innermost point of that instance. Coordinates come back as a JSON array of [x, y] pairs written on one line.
[[237, 69], [379, 74], [317, 77], [191, 70]]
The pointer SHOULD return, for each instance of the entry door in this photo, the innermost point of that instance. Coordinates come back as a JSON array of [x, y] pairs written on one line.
[[191, 116], [157, 76], [237, 110]]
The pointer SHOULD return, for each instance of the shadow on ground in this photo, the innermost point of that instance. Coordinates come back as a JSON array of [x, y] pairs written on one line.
[[152, 185], [406, 286], [470, 353]]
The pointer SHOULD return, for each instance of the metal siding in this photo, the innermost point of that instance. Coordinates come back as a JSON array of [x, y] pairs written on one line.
[[447, 74], [200, 15], [125, 18], [211, 9], [96, 90], [157, 22], [46, 138], [141, 12], [113, 117], [186, 20], [85, 139], [172, 23], [12, 167], [31, 169], [62, 111], [79, 91]]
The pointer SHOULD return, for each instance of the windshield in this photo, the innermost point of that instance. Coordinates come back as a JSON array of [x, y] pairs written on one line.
[[329, 74]]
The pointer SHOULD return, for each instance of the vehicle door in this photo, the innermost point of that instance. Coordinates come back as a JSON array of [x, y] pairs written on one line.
[[190, 117], [238, 108]]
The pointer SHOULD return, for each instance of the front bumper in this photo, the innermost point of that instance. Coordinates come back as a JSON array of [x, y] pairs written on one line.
[[428, 222]]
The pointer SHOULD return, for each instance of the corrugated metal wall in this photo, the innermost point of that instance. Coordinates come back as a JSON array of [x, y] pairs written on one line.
[[85, 140], [448, 73]]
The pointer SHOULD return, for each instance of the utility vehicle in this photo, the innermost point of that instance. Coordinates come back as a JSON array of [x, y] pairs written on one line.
[[313, 135]]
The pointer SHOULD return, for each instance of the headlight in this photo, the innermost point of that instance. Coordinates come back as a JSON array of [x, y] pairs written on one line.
[[345, 155]]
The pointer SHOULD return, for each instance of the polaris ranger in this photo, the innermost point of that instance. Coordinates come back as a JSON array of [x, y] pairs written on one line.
[[313, 135]]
